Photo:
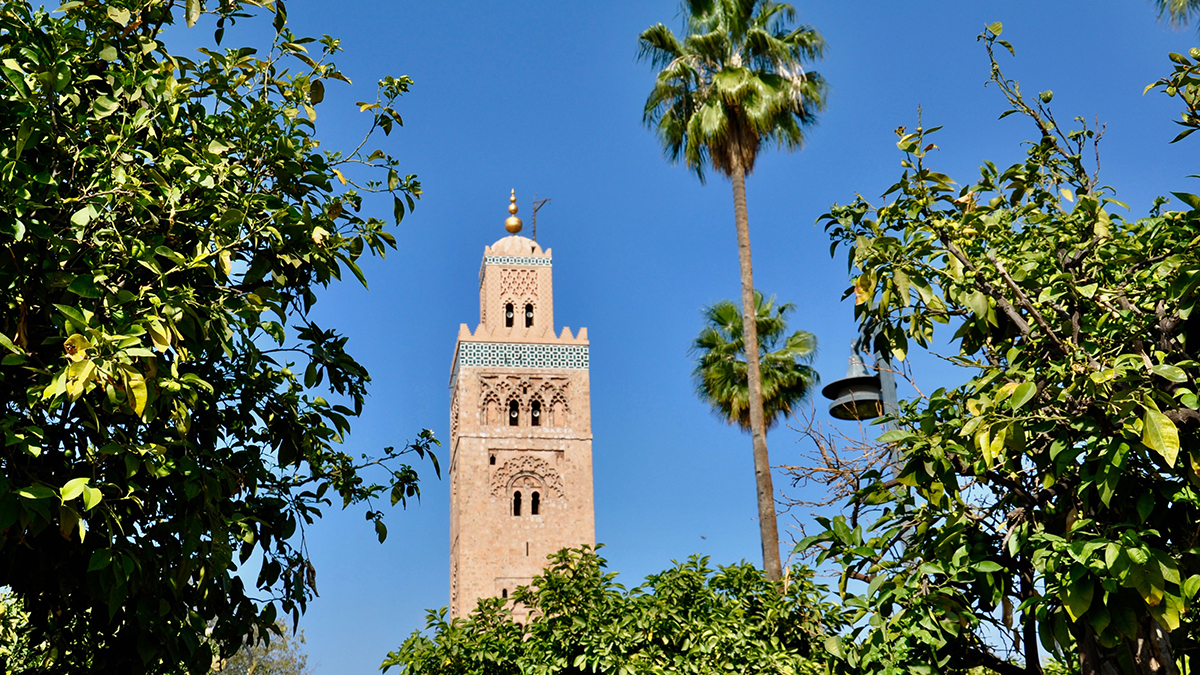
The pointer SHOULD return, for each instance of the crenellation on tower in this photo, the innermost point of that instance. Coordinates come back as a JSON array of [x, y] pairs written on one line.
[[520, 440]]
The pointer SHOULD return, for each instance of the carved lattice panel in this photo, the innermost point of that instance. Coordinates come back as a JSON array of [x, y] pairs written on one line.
[[526, 468], [521, 284]]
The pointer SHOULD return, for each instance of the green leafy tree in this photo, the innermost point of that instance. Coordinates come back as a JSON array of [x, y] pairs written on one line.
[[735, 82], [1052, 498], [280, 653], [720, 372], [14, 634], [166, 224], [689, 618]]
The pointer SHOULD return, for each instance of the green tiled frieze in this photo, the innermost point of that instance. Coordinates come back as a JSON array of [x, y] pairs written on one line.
[[521, 355]]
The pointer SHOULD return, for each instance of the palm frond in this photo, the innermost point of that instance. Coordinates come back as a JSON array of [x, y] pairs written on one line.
[[735, 80], [658, 45], [784, 360], [1178, 12]]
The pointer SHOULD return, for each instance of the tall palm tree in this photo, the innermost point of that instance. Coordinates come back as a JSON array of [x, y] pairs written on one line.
[[735, 81], [720, 349]]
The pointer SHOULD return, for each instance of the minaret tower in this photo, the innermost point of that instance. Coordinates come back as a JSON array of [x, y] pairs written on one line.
[[520, 429]]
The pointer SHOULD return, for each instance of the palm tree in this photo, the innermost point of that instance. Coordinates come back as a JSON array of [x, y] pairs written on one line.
[[733, 83], [787, 379], [1179, 12]]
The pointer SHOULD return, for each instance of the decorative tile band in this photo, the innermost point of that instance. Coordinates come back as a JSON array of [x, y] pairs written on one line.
[[528, 261], [520, 355], [531, 261]]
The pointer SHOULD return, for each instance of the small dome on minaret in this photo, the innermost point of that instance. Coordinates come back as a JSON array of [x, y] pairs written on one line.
[[513, 223]]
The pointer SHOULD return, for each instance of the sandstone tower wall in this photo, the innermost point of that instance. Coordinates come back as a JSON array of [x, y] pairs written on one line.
[[520, 431]]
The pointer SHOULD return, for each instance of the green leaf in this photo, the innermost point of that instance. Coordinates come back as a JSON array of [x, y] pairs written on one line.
[[996, 28], [91, 497], [37, 492], [99, 560], [1079, 598], [1023, 394], [9, 345], [23, 133], [397, 209], [104, 106], [192, 12], [316, 92], [1188, 198], [85, 286], [1160, 435], [896, 436], [119, 16], [1191, 587], [73, 488], [833, 645], [1170, 373]]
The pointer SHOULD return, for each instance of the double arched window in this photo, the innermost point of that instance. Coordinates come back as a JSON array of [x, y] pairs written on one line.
[[535, 503]]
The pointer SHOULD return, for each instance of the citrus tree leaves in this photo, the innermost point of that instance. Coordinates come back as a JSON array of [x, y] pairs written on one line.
[[160, 216], [690, 618], [1067, 458], [1160, 434]]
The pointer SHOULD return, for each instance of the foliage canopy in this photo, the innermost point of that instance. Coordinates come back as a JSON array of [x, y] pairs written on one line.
[[688, 619], [165, 224], [1052, 498]]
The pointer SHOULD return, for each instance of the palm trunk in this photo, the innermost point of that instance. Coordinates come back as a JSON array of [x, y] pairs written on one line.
[[768, 527]]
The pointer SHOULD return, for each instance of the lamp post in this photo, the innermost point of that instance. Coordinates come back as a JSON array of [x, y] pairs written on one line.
[[860, 395]]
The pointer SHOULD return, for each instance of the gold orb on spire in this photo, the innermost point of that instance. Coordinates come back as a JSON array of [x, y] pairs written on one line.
[[512, 223]]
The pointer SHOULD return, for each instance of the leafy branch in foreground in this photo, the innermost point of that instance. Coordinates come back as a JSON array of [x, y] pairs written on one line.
[[165, 225], [1048, 505]]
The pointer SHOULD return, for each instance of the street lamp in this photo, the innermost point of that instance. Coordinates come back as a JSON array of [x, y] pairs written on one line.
[[860, 395]]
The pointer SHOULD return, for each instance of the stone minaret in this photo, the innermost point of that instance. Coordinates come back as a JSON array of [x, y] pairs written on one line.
[[520, 430]]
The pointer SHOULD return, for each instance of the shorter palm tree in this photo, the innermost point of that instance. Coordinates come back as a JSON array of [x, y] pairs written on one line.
[[721, 376]]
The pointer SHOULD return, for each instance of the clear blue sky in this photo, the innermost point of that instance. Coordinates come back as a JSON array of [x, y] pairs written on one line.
[[546, 97]]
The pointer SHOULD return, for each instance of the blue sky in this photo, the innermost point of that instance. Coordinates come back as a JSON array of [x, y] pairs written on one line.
[[546, 97]]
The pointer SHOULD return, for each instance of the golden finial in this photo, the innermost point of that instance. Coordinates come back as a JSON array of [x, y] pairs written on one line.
[[513, 223]]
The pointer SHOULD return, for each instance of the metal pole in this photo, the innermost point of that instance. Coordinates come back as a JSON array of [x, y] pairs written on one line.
[[537, 205]]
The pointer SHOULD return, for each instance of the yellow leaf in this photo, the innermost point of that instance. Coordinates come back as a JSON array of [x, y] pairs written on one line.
[[160, 336], [1160, 434], [340, 177], [135, 388], [76, 347], [226, 262], [79, 376]]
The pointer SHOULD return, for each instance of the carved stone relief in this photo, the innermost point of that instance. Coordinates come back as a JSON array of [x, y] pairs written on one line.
[[526, 471]]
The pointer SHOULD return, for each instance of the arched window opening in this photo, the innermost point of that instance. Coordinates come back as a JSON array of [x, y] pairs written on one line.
[[535, 416], [492, 460], [514, 413], [528, 316], [504, 593], [508, 315], [517, 503], [535, 503]]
